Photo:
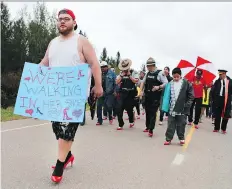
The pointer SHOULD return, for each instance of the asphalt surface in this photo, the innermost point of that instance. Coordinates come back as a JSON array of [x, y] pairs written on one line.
[[110, 159]]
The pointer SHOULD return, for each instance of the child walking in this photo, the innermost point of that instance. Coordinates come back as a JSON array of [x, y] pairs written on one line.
[[177, 100]]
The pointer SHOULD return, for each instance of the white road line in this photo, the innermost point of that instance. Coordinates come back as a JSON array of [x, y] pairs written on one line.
[[179, 158], [29, 126], [25, 127]]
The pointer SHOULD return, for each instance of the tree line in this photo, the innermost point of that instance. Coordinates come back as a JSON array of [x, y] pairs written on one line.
[[25, 39]]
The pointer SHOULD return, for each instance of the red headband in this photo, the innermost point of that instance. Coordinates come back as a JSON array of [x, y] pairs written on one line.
[[67, 11]]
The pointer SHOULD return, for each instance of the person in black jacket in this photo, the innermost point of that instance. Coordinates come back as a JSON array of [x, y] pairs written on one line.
[[221, 97]]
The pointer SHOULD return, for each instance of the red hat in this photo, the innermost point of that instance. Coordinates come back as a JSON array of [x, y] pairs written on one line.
[[70, 13]]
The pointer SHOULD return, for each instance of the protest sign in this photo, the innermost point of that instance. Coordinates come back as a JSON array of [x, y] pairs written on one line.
[[53, 93]]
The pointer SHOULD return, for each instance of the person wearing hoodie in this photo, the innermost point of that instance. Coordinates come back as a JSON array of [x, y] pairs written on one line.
[[177, 101]]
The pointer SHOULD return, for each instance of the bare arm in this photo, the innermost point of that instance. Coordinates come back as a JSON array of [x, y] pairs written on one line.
[[92, 60], [45, 60], [118, 79]]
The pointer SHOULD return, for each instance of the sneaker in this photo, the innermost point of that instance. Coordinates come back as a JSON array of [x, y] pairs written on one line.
[[114, 117], [167, 143], [182, 142], [119, 128], [190, 123], [215, 131], [143, 113], [97, 124], [196, 127], [104, 118], [160, 123], [111, 122], [127, 118], [138, 117], [132, 125]]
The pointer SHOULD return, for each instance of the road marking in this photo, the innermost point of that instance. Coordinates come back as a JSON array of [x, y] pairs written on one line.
[[188, 138], [25, 127], [178, 159]]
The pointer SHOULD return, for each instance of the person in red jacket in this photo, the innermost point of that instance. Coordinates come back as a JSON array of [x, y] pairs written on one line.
[[199, 85]]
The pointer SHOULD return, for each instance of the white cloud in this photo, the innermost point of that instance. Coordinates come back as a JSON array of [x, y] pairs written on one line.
[[165, 31]]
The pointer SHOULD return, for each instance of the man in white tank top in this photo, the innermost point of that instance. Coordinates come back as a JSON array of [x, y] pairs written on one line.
[[69, 49]]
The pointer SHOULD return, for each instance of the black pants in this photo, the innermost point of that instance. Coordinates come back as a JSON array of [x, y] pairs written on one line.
[[197, 103], [151, 108], [218, 124], [177, 124], [105, 113], [162, 115], [125, 102]]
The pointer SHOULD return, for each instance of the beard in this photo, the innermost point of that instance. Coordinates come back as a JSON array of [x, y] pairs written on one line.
[[65, 31]]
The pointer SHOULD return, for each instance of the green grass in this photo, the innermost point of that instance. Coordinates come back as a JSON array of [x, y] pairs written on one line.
[[8, 115]]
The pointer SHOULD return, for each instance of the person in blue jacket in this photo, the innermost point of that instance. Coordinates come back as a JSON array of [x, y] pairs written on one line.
[[107, 100], [177, 100]]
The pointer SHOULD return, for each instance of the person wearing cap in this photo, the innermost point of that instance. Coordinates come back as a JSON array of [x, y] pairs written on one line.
[[169, 78], [107, 100], [153, 84], [177, 100], [127, 91], [199, 85], [221, 97], [67, 50]]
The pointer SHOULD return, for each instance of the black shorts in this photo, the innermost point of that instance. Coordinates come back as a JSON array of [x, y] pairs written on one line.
[[65, 131]]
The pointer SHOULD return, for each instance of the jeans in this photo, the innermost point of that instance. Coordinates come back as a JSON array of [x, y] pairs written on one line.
[[177, 124], [106, 102]]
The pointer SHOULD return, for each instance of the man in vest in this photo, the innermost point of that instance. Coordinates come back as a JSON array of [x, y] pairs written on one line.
[[127, 92], [152, 85], [107, 100], [69, 49]]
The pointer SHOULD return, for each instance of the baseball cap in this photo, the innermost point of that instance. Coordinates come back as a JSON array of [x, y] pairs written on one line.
[[70, 13]]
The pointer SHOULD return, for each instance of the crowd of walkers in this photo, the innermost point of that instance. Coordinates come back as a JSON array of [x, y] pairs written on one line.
[[176, 98]]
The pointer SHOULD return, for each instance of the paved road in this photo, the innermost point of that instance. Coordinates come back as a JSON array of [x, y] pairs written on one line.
[[110, 159]]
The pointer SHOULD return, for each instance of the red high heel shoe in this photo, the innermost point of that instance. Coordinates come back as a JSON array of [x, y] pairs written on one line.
[[150, 134], [56, 179], [71, 159]]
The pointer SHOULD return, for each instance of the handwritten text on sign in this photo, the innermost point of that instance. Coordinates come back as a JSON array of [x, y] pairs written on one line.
[[54, 94]]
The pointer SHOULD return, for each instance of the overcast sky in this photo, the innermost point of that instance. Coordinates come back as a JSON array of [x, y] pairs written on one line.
[[167, 32]]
